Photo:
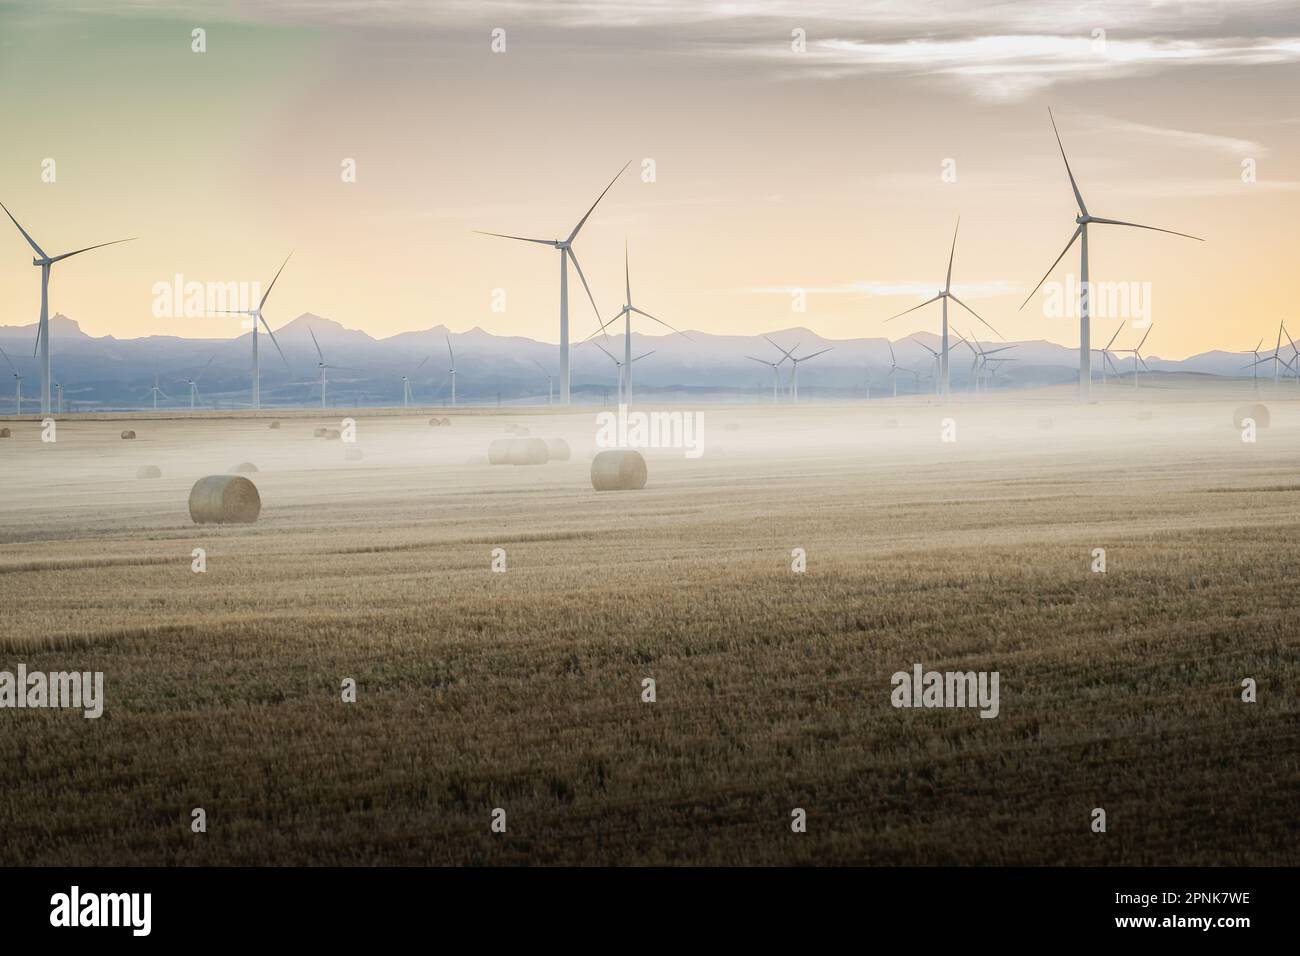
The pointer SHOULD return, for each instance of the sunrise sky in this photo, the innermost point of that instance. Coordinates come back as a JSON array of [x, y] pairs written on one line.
[[775, 169]]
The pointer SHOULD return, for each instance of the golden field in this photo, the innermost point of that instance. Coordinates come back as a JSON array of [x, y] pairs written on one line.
[[522, 690]]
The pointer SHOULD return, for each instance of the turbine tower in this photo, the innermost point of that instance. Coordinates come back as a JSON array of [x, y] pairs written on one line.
[[944, 295], [193, 383], [1083, 220], [322, 365], [794, 375], [776, 374], [452, 370], [256, 316], [550, 383], [933, 354], [565, 248], [156, 391], [46, 263]]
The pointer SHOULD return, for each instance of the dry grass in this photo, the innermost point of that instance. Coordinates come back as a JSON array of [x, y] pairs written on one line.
[[522, 690]]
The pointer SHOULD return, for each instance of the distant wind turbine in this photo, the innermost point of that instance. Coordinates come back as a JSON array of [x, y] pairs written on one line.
[[156, 391], [794, 375], [193, 383], [1081, 233], [776, 374], [565, 247], [406, 380], [58, 392], [18, 384], [1106, 353], [323, 365], [935, 355], [452, 355], [893, 367], [46, 263], [550, 383], [1137, 356], [256, 316], [944, 295]]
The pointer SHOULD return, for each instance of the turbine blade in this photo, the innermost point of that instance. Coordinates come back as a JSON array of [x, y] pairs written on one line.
[[30, 241], [69, 255], [761, 361], [976, 314], [583, 221], [1078, 197], [267, 295], [319, 353], [1077, 230], [948, 282], [273, 340], [915, 307], [627, 274], [891, 352], [8, 360], [502, 235], [660, 321], [784, 353], [606, 351], [450, 353], [1138, 225], [1144, 337], [923, 345], [421, 365], [1115, 336], [644, 355], [815, 354], [592, 298]]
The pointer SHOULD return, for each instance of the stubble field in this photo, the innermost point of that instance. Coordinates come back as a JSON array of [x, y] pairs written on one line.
[[523, 690]]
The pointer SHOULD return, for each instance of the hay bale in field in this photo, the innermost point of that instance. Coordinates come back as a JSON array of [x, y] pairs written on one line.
[[558, 449], [446, 422], [128, 434], [1044, 424], [246, 467], [148, 471], [4, 433], [499, 451], [352, 453], [435, 421], [1258, 412], [275, 424], [319, 433], [224, 499], [618, 469]]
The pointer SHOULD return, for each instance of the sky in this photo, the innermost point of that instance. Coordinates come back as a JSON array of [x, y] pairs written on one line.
[[826, 146]]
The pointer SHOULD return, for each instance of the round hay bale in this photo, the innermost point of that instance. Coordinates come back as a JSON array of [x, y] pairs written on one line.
[[618, 469], [319, 433], [128, 434], [1044, 424], [224, 499], [499, 451], [1258, 412], [332, 434], [275, 424], [245, 467], [558, 449], [445, 422], [528, 451], [352, 453], [435, 421], [148, 471], [4, 433]]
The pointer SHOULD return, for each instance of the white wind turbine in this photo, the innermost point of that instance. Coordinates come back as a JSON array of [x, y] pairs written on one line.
[[1254, 366], [323, 365], [1081, 232], [893, 366], [193, 383], [406, 381], [944, 295], [981, 358], [565, 247], [784, 354], [46, 263], [155, 391], [794, 375], [550, 382], [624, 373], [1106, 353], [18, 384], [256, 316], [58, 392], [934, 355], [626, 314], [452, 370], [776, 374], [1137, 356]]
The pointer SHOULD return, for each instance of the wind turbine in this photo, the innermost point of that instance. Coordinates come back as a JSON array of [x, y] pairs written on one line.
[[193, 383], [776, 374], [565, 248], [794, 375], [550, 382], [322, 365], [944, 295], [1137, 356], [18, 384], [58, 393], [156, 391], [893, 366], [626, 313], [46, 263], [1081, 233], [981, 359], [256, 316], [453, 370], [406, 380], [784, 354], [933, 354], [1105, 355], [1254, 366]]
